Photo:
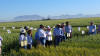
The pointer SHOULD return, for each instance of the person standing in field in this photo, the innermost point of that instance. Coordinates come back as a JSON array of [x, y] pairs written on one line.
[[42, 35], [1, 39], [48, 36], [57, 34], [37, 37], [92, 28], [29, 39], [23, 39], [63, 32], [68, 30]]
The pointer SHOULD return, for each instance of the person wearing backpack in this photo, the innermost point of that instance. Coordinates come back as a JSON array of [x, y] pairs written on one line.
[[23, 39], [68, 29], [29, 39], [92, 28], [1, 39]]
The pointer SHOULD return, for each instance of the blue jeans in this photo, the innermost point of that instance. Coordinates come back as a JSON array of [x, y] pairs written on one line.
[[43, 40]]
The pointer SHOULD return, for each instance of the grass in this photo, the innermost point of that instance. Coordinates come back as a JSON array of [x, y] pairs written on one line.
[[77, 46]]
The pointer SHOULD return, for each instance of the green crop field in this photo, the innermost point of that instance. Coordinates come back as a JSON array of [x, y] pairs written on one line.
[[77, 46]]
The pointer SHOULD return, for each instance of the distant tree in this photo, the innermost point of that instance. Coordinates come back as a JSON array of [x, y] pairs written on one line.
[[46, 19]]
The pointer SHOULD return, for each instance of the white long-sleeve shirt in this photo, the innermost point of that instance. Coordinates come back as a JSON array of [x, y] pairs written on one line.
[[42, 33], [49, 35]]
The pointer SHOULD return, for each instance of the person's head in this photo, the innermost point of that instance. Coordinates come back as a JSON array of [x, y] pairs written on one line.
[[23, 31], [29, 32], [45, 28], [91, 23], [67, 23], [41, 26], [48, 28], [26, 27], [58, 25], [62, 25]]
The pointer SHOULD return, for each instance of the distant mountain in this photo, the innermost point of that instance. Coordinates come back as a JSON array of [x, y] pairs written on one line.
[[38, 17], [74, 16], [28, 17]]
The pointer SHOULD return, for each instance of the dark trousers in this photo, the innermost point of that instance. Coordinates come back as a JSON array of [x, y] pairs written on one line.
[[48, 43], [63, 38], [57, 40], [91, 33], [29, 46]]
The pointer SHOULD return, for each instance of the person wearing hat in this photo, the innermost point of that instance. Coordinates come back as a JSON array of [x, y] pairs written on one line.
[[68, 30], [57, 34], [48, 36], [23, 39], [42, 35], [29, 39], [92, 28]]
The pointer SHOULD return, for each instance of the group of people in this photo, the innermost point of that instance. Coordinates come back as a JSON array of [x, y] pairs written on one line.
[[25, 39], [60, 33], [46, 37]]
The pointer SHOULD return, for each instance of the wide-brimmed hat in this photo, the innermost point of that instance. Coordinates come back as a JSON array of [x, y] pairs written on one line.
[[23, 31]]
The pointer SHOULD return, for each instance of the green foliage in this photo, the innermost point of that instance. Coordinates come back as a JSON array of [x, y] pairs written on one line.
[[77, 46]]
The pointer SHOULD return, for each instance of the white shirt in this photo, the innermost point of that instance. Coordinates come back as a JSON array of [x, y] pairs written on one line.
[[42, 33], [49, 35], [22, 38], [1, 39]]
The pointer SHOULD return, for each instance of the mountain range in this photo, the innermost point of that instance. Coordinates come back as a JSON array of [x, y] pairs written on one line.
[[38, 17]]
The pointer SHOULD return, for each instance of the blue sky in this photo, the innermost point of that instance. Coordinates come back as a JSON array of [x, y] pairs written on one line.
[[13, 8]]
